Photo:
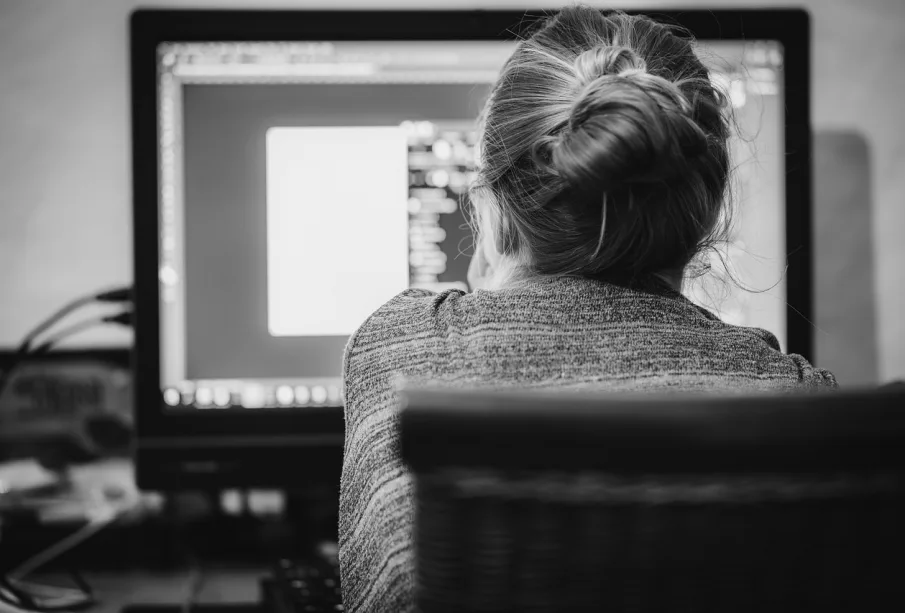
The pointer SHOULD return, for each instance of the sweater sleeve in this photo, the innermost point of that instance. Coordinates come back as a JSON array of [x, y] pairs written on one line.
[[813, 378], [376, 507]]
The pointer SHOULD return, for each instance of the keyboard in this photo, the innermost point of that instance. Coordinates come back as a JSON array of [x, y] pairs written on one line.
[[306, 586]]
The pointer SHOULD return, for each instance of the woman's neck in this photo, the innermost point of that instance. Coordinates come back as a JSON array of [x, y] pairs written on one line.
[[673, 278], [509, 272]]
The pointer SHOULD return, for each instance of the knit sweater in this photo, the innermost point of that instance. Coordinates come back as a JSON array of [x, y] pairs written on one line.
[[562, 333]]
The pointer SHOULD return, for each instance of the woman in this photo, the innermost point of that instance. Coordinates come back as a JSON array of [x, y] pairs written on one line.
[[603, 172]]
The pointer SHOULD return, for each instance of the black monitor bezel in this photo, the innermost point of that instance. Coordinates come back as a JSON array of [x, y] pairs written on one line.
[[159, 430]]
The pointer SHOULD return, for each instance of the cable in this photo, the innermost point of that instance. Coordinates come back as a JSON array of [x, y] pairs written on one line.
[[116, 295], [43, 557], [196, 583], [123, 318], [50, 321], [16, 592], [28, 596], [22, 595], [120, 294]]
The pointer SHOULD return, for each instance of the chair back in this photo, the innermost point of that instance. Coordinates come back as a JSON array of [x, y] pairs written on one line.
[[571, 502]]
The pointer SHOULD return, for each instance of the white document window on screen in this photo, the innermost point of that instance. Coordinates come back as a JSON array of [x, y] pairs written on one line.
[[337, 226]]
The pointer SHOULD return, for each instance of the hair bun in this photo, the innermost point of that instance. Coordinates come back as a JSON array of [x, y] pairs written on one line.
[[607, 60], [627, 126]]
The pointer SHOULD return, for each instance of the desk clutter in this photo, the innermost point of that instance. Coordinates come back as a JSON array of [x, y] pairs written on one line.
[[88, 539], [308, 584]]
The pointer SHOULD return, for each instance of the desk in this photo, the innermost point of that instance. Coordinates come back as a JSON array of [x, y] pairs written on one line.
[[116, 590]]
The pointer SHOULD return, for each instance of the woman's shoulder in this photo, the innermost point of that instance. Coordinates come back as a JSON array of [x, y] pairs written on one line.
[[411, 315], [417, 325], [409, 311], [750, 354], [809, 376], [771, 366]]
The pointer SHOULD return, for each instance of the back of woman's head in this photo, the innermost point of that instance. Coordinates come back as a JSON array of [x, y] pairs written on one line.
[[604, 149]]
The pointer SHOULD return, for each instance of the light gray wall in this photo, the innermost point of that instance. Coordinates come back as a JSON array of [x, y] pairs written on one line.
[[65, 170]]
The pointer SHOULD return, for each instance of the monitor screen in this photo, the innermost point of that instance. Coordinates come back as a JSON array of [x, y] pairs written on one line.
[[303, 184]]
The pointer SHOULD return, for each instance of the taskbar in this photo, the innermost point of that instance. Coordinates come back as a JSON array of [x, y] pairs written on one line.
[[253, 393]]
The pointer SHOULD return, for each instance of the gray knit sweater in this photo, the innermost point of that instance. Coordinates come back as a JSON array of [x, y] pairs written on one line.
[[563, 333]]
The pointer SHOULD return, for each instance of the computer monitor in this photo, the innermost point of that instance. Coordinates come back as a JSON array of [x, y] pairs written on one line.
[[293, 170]]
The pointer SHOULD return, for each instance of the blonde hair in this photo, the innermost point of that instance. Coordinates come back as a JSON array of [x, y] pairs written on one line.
[[603, 149]]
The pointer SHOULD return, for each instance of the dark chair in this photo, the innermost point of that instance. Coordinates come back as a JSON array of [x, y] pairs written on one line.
[[566, 502]]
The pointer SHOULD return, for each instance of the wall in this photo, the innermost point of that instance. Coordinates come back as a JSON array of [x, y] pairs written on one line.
[[65, 170]]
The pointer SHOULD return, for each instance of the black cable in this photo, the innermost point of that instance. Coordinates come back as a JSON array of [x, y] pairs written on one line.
[[15, 592], [82, 584], [119, 294], [116, 295], [123, 318]]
